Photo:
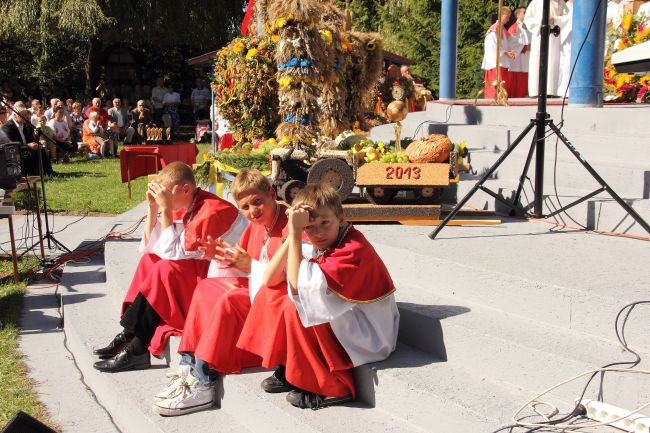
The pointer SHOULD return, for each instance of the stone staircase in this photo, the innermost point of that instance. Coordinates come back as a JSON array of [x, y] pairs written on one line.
[[614, 140], [489, 317]]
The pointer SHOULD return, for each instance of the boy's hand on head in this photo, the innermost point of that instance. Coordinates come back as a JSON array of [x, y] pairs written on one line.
[[162, 195], [299, 217], [151, 200]]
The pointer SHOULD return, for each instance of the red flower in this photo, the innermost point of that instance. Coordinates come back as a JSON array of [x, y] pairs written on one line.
[[641, 94]]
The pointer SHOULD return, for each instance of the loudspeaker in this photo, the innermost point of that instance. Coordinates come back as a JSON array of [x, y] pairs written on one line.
[[11, 167], [23, 423]]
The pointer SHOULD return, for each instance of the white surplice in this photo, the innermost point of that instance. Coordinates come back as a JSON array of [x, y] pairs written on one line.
[[518, 41], [566, 25], [490, 51], [367, 332], [533, 21]]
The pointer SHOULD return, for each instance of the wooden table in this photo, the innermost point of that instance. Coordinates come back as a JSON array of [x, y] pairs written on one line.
[[7, 210], [137, 161]]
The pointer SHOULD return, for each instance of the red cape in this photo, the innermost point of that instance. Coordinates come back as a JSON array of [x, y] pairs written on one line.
[[354, 271], [209, 215]]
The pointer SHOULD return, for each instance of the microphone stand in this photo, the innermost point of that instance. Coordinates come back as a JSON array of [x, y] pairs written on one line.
[[539, 124], [48, 234]]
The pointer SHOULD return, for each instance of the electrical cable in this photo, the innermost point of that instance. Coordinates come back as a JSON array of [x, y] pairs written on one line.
[[557, 423]]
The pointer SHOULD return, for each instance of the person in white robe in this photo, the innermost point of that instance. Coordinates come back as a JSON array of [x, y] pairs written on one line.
[[520, 45], [533, 21], [566, 24]]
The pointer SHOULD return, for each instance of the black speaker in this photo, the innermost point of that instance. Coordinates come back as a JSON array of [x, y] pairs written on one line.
[[23, 423], [11, 167]]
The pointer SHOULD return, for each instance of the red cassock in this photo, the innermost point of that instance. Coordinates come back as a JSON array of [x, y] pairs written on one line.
[[314, 359], [490, 76], [221, 305], [168, 285]]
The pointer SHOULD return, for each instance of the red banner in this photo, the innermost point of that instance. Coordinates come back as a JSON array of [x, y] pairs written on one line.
[[247, 17]]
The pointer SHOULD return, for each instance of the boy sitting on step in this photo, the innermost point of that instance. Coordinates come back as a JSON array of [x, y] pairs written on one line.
[[220, 305], [159, 297], [339, 311]]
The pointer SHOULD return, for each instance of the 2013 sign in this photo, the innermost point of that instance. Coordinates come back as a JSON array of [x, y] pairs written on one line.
[[400, 173]]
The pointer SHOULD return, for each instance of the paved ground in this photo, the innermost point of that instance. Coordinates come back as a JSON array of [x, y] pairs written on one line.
[[490, 316]]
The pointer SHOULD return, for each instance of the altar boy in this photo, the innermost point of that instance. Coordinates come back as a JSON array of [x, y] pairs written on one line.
[[159, 297], [339, 310], [221, 304]]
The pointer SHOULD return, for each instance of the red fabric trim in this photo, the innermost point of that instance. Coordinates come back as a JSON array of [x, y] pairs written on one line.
[[354, 270], [247, 18]]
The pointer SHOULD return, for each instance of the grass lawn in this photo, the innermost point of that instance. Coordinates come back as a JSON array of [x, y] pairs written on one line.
[[94, 187], [16, 389]]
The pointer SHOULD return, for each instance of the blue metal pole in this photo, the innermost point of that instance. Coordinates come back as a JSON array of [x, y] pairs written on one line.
[[448, 49], [586, 87]]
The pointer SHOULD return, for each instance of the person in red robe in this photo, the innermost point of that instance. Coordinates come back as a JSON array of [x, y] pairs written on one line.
[[339, 310], [221, 304], [158, 299]]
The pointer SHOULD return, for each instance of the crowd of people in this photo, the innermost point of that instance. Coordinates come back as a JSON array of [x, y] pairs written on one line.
[[66, 127], [267, 285], [519, 42]]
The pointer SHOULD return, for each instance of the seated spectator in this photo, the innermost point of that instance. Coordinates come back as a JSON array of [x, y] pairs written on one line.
[[49, 113], [103, 114], [16, 130], [76, 122], [61, 128], [97, 143], [45, 136], [68, 106], [38, 112], [141, 118], [34, 106], [118, 119]]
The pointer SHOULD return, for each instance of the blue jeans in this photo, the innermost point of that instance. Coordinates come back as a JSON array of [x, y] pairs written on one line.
[[200, 369]]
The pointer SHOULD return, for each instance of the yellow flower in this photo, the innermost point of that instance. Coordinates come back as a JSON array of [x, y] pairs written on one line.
[[627, 22], [642, 35], [327, 35], [645, 80], [623, 79], [272, 141], [285, 82], [251, 53], [285, 141], [238, 47], [206, 157], [275, 38]]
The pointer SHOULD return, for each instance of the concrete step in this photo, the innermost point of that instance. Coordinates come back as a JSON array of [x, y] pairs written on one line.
[[128, 395], [544, 280], [616, 120]]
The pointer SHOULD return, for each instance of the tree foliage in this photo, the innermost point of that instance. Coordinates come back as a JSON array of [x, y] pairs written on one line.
[[63, 38]]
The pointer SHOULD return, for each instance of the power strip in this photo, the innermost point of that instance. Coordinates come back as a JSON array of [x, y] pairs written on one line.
[[622, 419]]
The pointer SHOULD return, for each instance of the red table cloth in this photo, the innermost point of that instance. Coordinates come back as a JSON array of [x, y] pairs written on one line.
[[185, 152]]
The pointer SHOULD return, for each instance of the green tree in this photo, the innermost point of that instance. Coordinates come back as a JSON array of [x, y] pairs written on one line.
[[65, 37]]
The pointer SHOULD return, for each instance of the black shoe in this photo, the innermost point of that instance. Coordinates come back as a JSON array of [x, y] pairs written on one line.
[[277, 382], [114, 347], [306, 399], [124, 361]]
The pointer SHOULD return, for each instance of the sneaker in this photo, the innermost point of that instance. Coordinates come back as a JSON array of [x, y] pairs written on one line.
[[277, 382], [306, 399], [176, 379], [190, 396]]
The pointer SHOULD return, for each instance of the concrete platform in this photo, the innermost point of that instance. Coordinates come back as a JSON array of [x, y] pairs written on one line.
[[491, 315], [614, 140]]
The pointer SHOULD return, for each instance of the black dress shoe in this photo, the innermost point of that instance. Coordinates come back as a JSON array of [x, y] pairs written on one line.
[[114, 347], [277, 382], [309, 400], [124, 361]]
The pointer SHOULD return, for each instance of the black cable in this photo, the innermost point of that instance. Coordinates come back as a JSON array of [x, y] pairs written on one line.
[[557, 195]]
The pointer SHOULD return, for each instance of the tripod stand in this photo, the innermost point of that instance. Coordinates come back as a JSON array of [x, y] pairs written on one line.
[[541, 121], [48, 234]]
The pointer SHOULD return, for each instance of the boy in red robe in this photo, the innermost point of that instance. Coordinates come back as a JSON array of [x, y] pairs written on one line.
[[339, 311], [220, 305], [159, 297]]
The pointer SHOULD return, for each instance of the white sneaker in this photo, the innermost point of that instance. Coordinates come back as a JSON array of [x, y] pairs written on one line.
[[175, 380], [191, 397]]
